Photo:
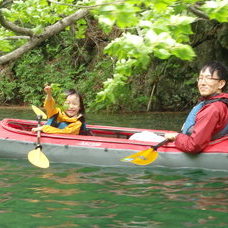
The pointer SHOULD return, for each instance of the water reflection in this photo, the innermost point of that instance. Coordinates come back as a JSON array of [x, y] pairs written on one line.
[[113, 197], [18, 113]]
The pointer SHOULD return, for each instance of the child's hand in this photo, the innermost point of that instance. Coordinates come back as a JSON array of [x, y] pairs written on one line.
[[48, 90], [35, 129]]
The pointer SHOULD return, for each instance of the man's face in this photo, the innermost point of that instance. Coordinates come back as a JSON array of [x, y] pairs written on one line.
[[209, 84]]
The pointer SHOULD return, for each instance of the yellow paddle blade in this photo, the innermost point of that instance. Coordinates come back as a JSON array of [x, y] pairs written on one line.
[[39, 112], [144, 157], [38, 158]]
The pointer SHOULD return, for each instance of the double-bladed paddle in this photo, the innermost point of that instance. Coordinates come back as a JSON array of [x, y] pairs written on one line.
[[36, 156], [145, 157]]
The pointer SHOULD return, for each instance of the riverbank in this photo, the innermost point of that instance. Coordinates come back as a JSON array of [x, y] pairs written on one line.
[[24, 107], [14, 107]]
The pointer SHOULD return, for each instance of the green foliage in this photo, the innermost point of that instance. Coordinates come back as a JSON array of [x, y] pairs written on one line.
[[90, 82], [123, 15], [158, 31], [81, 26], [35, 15], [216, 10], [33, 71], [175, 91], [8, 88], [158, 28], [59, 95], [174, 95], [6, 45]]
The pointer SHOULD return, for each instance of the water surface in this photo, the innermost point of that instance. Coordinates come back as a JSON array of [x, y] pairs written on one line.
[[156, 120]]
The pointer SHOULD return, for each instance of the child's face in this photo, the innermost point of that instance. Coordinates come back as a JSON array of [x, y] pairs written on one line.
[[72, 105]]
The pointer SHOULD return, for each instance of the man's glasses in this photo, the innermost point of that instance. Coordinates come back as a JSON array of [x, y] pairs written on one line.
[[207, 79]]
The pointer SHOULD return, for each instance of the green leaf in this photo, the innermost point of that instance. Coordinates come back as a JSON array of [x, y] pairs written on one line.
[[5, 45], [177, 20], [184, 52], [162, 53], [216, 10]]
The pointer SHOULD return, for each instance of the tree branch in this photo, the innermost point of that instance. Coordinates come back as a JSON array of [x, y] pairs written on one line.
[[15, 37], [48, 32], [4, 3], [11, 26], [87, 7], [197, 12]]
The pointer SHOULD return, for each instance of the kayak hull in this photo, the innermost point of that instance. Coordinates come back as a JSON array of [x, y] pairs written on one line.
[[103, 149]]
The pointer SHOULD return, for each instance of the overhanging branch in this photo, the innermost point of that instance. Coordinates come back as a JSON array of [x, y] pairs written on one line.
[[15, 28], [198, 12], [4, 3], [48, 32], [89, 6], [15, 37]]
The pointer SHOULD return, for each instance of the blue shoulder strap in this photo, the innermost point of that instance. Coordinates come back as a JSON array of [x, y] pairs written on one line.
[[190, 120], [52, 121], [221, 133]]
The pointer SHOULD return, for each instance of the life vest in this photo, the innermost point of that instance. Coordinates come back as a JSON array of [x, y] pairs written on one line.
[[191, 118], [52, 121]]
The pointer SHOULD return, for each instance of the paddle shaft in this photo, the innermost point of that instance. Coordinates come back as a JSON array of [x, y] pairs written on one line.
[[37, 157], [39, 118], [155, 147]]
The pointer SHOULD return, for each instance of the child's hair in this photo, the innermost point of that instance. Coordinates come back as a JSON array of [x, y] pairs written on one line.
[[82, 108]]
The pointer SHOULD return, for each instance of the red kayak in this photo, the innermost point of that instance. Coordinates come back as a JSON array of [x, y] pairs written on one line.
[[106, 146]]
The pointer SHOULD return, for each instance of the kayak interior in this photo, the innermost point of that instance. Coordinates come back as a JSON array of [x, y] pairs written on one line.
[[25, 126]]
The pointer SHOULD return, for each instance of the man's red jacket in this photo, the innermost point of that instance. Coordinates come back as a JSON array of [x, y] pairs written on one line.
[[211, 119]]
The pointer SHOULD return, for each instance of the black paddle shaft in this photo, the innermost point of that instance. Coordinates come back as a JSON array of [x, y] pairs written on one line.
[[155, 147], [38, 145]]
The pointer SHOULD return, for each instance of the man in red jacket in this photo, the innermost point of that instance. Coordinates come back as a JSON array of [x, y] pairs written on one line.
[[208, 120]]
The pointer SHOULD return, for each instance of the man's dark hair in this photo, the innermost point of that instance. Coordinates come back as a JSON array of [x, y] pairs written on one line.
[[218, 67]]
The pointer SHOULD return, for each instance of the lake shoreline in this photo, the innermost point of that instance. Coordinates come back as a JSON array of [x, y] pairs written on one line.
[[28, 107], [14, 107]]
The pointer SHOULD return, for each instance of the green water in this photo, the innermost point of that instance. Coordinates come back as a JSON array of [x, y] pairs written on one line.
[[171, 121], [79, 196]]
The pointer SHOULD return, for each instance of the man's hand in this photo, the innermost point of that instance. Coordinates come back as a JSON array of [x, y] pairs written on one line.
[[171, 136]]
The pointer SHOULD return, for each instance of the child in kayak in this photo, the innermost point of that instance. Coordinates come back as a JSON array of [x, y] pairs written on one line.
[[67, 121]]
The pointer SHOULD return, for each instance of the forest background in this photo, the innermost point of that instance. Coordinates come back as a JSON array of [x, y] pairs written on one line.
[[124, 55]]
